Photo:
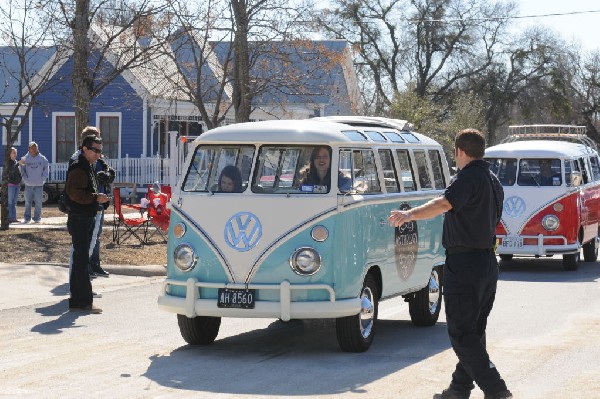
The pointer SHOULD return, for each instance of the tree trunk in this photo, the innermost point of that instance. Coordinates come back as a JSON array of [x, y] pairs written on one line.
[[242, 97], [4, 222], [80, 78]]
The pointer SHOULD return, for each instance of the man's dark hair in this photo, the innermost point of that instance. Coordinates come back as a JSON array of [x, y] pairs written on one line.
[[472, 142], [89, 140], [90, 130]]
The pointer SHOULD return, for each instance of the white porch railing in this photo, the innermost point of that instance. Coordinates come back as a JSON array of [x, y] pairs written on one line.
[[141, 171]]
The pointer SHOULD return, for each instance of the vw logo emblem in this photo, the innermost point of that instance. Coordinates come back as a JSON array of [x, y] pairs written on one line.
[[514, 207], [243, 231]]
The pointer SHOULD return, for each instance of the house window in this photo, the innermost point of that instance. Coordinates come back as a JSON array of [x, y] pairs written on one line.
[[65, 137], [109, 127], [12, 130]]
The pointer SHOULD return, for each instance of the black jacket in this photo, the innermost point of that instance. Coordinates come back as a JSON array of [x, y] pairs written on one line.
[[14, 175]]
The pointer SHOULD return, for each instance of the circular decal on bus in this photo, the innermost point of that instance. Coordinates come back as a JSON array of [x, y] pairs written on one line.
[[406, 243]]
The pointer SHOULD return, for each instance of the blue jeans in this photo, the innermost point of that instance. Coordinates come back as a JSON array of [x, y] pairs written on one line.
[[13, 194], [95, 244], [33, 194]]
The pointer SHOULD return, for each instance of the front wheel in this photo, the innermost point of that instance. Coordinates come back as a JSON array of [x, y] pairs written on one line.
[[424, 308], [570, 261], [590, 250], [355, 333], [199, 330]]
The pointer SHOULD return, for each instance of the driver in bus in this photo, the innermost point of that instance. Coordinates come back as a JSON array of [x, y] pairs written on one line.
[[546, 177]]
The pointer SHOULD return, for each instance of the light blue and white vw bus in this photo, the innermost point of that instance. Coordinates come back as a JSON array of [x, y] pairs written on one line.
[[288, 219]]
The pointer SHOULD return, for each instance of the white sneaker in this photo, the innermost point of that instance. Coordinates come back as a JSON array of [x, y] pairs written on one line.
[[37, 221], [26, 221]]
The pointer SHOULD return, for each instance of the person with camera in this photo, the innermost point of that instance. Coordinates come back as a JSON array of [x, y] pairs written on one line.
[[105, 176], [82, 200]]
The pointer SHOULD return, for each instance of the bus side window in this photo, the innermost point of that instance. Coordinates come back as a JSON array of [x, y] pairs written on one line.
[[422, 170], [595, 168], [389, 172], [584, 171], [407, 174], [436, 166], [361, 169]]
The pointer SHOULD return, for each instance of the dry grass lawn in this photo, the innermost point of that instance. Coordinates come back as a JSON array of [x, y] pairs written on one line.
[[52, 246]]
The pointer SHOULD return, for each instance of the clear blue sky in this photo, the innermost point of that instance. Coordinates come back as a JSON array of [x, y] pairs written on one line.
[[584, 28]]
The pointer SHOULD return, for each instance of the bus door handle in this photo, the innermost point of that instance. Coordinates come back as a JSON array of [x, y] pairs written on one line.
[[383, 222]]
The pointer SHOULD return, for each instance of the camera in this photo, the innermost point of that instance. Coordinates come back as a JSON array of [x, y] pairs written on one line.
[[105, 177]]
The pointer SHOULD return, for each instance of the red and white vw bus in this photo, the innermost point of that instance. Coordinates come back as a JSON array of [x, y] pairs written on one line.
[[551, 179]]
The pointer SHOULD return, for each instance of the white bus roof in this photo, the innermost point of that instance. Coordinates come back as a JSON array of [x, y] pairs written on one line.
[[538, 149], [317, 130]]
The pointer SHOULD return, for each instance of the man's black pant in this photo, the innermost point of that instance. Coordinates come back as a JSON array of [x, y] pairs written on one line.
[[80, 228], [470, 280]]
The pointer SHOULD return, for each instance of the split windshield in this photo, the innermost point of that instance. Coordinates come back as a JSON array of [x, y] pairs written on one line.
[[530, 172], [302, 169]]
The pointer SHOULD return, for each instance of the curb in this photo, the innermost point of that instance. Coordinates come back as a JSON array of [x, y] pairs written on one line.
[[122, 270]]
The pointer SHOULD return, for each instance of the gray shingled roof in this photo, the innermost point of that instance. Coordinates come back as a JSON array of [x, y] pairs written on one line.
[[10, 69]]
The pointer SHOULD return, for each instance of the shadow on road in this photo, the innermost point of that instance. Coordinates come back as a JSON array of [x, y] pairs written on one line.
[[296, 358], [65, 318], [547, 270]]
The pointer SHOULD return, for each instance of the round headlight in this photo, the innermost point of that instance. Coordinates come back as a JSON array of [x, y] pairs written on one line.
[[184, 257], [179, 230], [319, 233], [305, 261], [550, 222]]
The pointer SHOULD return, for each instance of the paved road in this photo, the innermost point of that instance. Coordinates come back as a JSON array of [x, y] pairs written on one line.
[[544, 336]]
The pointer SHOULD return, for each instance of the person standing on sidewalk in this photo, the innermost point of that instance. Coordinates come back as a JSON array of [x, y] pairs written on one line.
[[34, 170], [473, 207], [14, 184], [105, 176], [83, 199]]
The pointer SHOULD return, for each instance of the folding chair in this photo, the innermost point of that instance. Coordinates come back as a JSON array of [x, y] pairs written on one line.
[[158, 214], [127, 227]]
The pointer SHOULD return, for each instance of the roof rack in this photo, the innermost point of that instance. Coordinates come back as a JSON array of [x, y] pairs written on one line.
[[569, 133], [368, 121]]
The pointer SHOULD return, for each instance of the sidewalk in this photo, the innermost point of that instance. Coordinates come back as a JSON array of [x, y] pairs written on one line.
[[32, 284], [56, 222]]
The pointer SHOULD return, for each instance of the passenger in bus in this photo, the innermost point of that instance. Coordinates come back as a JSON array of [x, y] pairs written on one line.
[[546, 177], [319, 172], [508, 179], [230, 180]]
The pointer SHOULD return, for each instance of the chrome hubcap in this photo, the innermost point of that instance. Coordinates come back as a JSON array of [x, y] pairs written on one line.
[[434, 291], [367, 312]]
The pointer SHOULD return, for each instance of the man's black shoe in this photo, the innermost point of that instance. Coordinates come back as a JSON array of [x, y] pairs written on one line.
[[98, 271], [500, 395], [450, 393]]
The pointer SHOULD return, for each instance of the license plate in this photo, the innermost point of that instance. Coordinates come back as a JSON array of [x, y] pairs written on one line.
[[512, 242], [235, 298]]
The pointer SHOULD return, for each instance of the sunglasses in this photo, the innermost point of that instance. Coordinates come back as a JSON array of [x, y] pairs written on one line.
[[96, 150]]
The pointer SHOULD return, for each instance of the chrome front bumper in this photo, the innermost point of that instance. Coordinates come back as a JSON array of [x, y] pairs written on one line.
[[192, 305], [539, 249]]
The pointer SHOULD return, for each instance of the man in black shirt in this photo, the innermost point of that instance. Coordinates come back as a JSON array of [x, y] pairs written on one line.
[[473, 206]]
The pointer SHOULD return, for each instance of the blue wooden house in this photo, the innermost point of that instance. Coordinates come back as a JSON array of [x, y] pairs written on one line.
[[138, 111]]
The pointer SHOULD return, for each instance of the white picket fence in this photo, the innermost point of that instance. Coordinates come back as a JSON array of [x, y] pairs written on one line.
[[141, 171]]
